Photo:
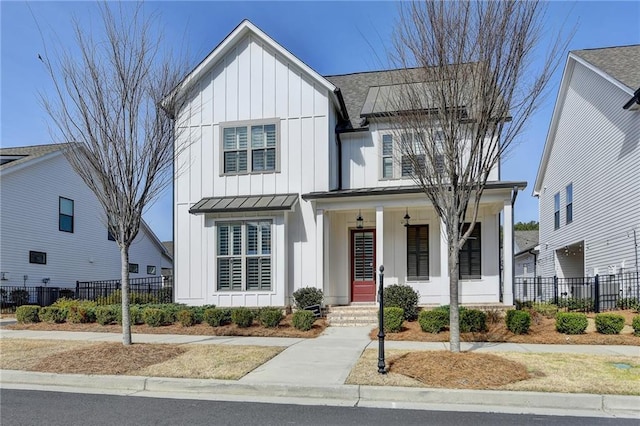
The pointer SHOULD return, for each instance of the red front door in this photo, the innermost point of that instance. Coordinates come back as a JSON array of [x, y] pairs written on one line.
[[363, 264]]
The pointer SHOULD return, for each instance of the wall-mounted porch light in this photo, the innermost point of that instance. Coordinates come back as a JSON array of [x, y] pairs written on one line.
[[359, 221], [406, 217]]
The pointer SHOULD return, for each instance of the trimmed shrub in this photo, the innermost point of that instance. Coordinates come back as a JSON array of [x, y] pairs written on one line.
[[575, 304], [635, 323], [52, 315], [216, 317], [547, 310], [27, 313], [242, 317], [81, 314], [107, 314], [402, 296], [494, 316], [303, 320], [393, 319], [473, 320], [186, 318], [198, 312], [433, 321], [307, 296], [153, 317], [527, 304], [609, 323], [270, 317], [518, 322], [135, 298], [571, 322]]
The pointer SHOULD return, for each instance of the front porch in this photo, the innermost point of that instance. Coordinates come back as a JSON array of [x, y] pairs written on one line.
[[413, 251]]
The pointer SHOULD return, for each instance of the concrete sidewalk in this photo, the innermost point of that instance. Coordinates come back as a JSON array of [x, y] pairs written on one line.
[[314, 371]]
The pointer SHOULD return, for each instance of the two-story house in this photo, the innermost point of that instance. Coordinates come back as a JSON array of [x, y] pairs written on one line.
[[52, 227], [289, 180], [588, 181]]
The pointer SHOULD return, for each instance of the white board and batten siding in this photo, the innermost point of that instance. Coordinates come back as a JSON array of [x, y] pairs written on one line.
[[597, 149], [251, 81], [30, 213]]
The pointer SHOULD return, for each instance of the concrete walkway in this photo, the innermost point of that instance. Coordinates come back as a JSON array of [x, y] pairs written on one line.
[[314, 371]]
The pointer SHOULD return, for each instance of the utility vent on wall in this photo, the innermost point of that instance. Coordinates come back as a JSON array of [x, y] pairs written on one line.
[[4, 276]]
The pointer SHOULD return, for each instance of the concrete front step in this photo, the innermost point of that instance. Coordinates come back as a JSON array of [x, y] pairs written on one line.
[[353, 315]]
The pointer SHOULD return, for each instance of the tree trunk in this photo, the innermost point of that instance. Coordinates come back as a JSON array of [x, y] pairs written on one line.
[[454, 270], [126, 318]]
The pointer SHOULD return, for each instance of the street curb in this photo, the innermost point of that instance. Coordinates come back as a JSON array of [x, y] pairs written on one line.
[[623, 405], [157, 384]]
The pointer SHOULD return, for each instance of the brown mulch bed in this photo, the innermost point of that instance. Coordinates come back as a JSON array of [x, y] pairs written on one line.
[[285, 329], [108, 358], [459, 370], [542, 331]]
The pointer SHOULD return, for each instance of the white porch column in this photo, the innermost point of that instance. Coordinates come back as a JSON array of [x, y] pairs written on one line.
[[507, 253], [444, 265], [379, 239], [320, 249]]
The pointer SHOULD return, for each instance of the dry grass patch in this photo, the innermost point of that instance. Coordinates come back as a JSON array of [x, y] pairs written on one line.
[[159, 360], [213, 362], [565, 373], [23, 354], [107, 358]]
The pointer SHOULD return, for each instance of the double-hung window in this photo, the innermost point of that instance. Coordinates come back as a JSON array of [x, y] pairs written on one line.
[[250, 148], [418, 252], [387, 156], [471, 254], [556, 210], [65, 216], [412, 153], [244, 256], [569, 201]]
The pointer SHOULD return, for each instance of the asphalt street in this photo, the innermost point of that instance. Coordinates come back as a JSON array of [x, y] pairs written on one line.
[[26, 407]]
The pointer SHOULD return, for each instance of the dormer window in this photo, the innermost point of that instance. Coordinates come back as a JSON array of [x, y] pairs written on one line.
[[250, 147]]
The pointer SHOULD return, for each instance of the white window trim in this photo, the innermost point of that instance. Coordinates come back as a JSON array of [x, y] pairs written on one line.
[[248, 124], [396, 154], [244, 256]]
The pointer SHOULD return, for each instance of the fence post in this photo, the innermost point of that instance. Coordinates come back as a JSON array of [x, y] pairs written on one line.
[[596, 294], [77, 290], [555, 289]]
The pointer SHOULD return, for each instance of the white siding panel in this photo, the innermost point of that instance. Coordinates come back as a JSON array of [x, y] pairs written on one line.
[[257, 88], [269, 84], [307, 97], [219, 93], [195, 187], [208, 162], [232, 87], [294, 157], [244, 79], [282, 88], [307, 156], [294, 92], [321, 167]]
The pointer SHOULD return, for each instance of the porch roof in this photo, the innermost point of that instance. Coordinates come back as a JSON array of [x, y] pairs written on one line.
[[395, 190], [249, 203]]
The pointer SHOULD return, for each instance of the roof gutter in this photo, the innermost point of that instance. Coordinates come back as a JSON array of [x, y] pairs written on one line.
[[635, 100]]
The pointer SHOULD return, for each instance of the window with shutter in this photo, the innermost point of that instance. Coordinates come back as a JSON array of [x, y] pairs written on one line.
[[244, 256], [418, 252], [250, 148], [471, 254]]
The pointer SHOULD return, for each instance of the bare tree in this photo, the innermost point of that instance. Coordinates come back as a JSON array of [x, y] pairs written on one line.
[[110, 102], [464, 92]]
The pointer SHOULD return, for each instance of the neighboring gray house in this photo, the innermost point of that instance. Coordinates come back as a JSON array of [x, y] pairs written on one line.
[[525, 251], [588, 181]]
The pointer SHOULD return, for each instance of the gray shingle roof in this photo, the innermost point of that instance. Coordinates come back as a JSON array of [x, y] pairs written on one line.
[[621, 62], [28, 153], [525, 240]]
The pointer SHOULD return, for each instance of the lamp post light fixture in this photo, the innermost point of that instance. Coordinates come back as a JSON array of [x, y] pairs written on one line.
[[359, 221], [381, 363]]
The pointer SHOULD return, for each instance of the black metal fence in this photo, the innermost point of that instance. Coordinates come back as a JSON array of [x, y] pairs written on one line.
[[141, 290], [584, 294]]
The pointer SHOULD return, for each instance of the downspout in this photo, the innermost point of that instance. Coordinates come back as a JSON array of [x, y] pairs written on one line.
[[514, 195]]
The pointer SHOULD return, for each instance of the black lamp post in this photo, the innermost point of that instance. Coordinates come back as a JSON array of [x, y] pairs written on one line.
[[381, 363]]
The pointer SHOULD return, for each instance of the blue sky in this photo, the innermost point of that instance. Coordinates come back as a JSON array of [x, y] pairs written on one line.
[[331, 37]]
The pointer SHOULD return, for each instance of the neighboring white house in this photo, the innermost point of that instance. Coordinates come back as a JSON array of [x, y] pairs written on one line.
[[280, 164], [588, 181], [52, 227]]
